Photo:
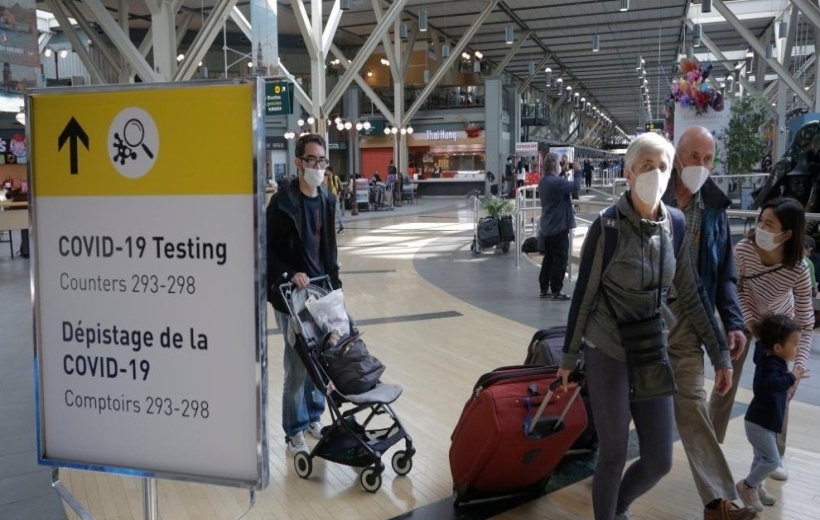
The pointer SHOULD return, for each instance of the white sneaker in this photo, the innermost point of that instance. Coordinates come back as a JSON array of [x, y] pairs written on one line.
[[749, 495], [766, 498], [781, 473], [315, 429], [297, 443]]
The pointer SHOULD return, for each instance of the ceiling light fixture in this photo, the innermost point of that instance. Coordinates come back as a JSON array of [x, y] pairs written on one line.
[[696, 35], [423, 20], [783, 30], [403, 31], [445, 50], [596, 42], [706, 6], [344, 5], [624, 6], [509, 34]]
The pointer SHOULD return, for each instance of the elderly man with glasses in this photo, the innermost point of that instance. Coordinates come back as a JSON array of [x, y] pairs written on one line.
[[301, 246]]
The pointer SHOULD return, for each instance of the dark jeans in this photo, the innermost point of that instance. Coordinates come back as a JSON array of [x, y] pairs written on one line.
[[588, 180], [612, 489], [554, 265]]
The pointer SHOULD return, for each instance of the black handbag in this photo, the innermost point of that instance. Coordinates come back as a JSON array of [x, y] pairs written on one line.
[[647, 358]]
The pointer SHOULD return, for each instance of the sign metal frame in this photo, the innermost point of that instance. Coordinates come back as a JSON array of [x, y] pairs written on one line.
[[259, 230]]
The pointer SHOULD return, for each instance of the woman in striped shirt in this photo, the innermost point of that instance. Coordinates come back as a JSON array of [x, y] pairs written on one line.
[[772, 279]]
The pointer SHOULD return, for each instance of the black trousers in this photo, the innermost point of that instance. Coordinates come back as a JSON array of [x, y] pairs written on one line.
[[554, 265]]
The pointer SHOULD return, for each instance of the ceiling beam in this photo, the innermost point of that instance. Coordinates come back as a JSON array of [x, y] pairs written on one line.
[[761, 51], [77, 45], [455, 54], [204, 39], [363, 54], [367, 89], [101, 47], [809, 11], [512, 52], [122, 41]]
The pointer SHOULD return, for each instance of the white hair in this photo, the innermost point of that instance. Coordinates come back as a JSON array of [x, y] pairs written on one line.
[[649, 142]]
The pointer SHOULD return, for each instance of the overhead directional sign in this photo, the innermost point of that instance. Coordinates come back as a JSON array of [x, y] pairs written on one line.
[[149, 283], [278, 97], [71, 133]]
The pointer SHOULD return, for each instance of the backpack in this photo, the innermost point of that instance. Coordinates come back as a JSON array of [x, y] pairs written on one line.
[[349, 365], [610, 218], [530, 245]]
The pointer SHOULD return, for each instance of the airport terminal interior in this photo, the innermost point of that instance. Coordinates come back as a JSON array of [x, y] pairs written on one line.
[[434, 115]]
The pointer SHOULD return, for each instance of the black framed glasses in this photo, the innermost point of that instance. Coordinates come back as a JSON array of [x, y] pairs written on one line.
[[313, 161]]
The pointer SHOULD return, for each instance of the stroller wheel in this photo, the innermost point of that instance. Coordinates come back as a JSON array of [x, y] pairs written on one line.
[[402, 463], [303, 464], [371, 480]]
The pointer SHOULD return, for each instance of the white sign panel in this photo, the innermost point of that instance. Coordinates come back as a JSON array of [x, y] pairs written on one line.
[[526, 149], [149, 281], [716, 122]]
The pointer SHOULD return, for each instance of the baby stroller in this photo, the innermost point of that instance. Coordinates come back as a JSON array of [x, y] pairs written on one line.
[[346, 440]]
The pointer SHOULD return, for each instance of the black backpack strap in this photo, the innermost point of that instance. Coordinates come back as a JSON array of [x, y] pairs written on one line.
[[610, 226], [678, 228]]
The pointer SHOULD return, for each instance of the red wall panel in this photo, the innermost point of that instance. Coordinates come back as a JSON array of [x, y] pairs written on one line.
[[376, 159]]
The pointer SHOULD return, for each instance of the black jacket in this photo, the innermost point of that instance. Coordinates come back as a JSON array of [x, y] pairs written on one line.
[[716, 262], [285, 244], [771, 384]]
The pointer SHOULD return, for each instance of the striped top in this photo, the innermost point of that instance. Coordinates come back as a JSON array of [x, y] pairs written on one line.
[[767, 289]]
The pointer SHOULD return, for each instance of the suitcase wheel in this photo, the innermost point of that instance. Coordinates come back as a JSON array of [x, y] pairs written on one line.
[[303, 464], [370, 479], [402, 463]]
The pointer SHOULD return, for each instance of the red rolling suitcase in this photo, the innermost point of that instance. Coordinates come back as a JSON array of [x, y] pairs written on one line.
[[513, 432]]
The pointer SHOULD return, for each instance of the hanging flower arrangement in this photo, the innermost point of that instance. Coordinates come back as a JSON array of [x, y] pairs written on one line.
[[691, 90]]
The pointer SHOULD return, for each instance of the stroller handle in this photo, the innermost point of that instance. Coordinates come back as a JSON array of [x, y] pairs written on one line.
[[321, 281]]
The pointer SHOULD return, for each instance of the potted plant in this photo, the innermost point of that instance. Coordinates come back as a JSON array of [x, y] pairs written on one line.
[[496, 206], [744, 141]]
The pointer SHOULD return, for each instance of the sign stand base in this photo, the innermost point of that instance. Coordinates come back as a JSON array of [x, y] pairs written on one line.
[[66, 496], [150, 499]]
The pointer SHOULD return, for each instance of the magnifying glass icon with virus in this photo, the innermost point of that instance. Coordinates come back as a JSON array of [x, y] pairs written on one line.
[[134, 135]]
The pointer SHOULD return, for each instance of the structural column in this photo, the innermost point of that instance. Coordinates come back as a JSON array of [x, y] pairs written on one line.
[[164, 38], [352, 112], [514, 106], [125, 67], [494, 156], [265, 37]]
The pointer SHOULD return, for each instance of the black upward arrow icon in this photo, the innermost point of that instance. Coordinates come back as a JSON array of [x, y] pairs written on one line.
[[72, 132]]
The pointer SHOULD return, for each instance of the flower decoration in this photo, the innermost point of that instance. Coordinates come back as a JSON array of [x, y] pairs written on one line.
[[691, 90]]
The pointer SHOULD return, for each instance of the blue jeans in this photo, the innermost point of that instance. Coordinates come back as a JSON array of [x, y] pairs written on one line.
[[766, 455], [612, 489], [302, 402]]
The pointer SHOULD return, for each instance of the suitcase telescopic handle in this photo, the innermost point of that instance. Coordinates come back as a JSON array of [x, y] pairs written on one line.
[[575, 377]]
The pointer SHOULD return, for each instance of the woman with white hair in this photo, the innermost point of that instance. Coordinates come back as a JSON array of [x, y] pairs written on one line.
[[632, 254]]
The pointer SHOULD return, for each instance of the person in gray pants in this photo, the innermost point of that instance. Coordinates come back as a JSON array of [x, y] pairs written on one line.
[[707, 231], [626, 290]]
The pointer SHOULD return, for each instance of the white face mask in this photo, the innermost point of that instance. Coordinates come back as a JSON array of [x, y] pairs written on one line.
[[314, 177], [649, 186], [765, 239], [693, 177]]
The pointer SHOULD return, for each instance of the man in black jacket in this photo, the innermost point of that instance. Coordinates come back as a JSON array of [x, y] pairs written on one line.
[[301, 245]]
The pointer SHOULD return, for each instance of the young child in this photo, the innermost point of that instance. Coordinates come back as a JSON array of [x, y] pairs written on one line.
[[777, 345]]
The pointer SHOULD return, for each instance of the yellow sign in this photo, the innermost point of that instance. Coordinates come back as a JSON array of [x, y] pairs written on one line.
[[191, 140]]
